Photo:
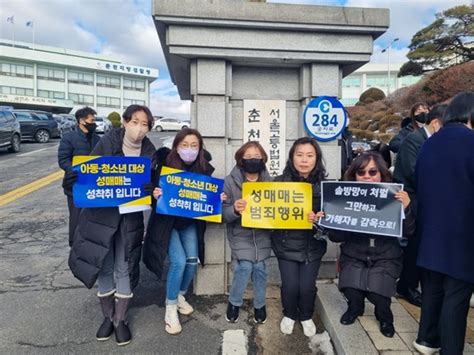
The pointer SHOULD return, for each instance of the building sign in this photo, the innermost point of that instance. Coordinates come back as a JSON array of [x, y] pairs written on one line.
[[274, 205], [35, 100], [124, 68], [265, 122], [324, 118], [362, 207], [190, 195], [111, 181]]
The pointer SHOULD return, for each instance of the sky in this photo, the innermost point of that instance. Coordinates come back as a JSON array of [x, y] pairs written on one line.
[[124, 30]]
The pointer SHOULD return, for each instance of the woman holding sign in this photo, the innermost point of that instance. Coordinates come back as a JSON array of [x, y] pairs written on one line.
[[298, 252], [179, 238], [370, 264], [107, 244], [250, 246]]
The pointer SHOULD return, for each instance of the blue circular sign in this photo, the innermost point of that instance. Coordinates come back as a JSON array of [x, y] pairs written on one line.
[[324, 118]]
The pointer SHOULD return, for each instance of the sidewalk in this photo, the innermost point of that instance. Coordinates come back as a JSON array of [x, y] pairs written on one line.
[[364, 337]]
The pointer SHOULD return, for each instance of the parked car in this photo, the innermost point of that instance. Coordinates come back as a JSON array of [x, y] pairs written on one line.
[[170, 124], [10, 132], [103, 124], [34, 127], [63, 124], [55, 132], [71, 119]]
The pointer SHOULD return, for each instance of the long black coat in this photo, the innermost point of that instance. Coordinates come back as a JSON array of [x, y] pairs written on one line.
[[406, 162], [396, 141], [371, 262], [299, 244], [72, 144], [445, 189], [97, 226], [155, 249]]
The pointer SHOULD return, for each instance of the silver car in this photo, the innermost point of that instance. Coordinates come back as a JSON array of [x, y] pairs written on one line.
[[103, 124], [170, 124]]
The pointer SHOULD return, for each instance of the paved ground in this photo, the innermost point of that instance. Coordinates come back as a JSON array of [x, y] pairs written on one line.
[[45, 310]]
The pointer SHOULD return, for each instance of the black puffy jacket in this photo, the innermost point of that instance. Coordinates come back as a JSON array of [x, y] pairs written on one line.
[[299, 244], [72, 144], [97, 226], [371, 262]]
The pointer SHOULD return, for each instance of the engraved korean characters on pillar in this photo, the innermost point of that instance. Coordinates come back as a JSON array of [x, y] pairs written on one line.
[[265, 122]]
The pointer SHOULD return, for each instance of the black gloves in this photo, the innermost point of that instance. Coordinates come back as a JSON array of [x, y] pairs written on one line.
[[70, 177], [148, 188]]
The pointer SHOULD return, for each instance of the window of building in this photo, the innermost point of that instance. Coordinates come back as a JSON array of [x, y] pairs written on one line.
[[20, 70], [351, 82], [408, 80], [108, 101], [380, 81], [108, 81], [81, 99], [128, 102], [54, 74], [349, 102], [51, 94], [136, 85], [10, 90], [80, 78]]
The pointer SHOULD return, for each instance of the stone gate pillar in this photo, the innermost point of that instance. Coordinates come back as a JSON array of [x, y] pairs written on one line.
[[222, 52]]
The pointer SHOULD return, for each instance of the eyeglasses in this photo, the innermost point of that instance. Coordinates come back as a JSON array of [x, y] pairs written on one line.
[[372, 172]]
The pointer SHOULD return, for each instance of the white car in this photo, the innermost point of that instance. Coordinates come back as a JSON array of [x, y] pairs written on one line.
[[103, 124], [170, 124]]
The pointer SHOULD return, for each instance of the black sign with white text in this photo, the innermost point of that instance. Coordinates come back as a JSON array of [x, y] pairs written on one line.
[[362, 207]]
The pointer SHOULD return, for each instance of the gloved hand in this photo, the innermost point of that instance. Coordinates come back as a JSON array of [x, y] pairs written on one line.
[[148, 188], [70, 177]]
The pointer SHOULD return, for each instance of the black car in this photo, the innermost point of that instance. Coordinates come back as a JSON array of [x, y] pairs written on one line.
[[55, 133], [10, 133], [34, 127]]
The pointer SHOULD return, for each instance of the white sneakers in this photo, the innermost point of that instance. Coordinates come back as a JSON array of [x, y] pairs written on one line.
[[423, 349], [472, 301], [309, 328], [184, 307], [172, 324], [286, 325]]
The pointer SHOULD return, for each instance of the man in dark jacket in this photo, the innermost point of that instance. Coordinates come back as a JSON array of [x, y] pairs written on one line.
[[445, 191], [404, 173], [78, 142]]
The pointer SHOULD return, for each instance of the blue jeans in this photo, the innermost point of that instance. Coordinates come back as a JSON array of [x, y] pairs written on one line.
[[183, 256], [242, 271]]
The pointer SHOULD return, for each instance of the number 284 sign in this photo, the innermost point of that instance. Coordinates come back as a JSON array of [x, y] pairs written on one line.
[[325, 118]]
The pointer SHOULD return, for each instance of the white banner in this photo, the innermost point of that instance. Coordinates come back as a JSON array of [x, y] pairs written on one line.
[[265, 122]]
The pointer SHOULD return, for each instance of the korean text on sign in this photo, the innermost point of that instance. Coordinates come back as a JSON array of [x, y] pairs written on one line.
[[111, 181], [190, 195], [362, 207], [273, 205]]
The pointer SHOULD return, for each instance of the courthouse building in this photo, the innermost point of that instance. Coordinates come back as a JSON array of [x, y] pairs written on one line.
[[61, 80], [374, 75]]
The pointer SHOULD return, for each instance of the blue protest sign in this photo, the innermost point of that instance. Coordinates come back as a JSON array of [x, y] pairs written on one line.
[[190, 195], [325, 118], [111, 181]]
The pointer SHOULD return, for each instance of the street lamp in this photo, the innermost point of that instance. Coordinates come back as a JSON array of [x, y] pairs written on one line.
[[387, 49]]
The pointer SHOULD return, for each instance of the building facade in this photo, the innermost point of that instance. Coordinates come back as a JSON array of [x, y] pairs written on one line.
[[374, 75], [62, 80]]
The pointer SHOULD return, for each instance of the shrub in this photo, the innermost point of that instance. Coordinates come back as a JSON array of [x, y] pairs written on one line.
[[371, 95], [115, 118]]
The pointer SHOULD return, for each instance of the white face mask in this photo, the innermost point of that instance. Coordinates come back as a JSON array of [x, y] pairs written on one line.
[[135, 133]]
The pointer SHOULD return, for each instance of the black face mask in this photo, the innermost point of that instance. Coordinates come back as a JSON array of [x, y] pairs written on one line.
[[253, 166], [91, 127], [421, 117]]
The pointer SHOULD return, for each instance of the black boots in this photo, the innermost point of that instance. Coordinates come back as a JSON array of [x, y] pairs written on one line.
[[122, 332], [114, 308], [107, 327]]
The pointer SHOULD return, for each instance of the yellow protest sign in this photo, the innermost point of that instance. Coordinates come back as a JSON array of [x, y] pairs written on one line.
[[277, 205]]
